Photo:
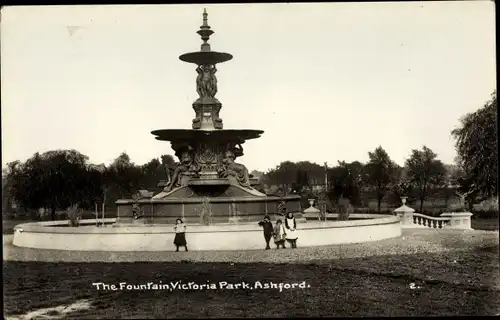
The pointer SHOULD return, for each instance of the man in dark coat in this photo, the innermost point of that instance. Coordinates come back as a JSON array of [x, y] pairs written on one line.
[[268, 230]]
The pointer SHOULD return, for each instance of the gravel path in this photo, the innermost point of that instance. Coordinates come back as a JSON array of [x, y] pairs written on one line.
[[413, 241]]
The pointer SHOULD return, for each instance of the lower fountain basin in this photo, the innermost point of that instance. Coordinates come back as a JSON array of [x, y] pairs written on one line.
[[221, 236], [224, 209]]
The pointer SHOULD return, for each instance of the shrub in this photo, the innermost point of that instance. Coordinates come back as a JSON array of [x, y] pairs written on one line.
[[487, 208], [74, 215], [206, 212]]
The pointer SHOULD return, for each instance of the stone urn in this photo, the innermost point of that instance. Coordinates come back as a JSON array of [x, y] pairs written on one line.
[[403, 200], [405, 213], [311, 212], [311, 203]]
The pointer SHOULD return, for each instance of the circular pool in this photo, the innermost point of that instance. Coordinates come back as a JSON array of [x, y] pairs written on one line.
[[222, 236]]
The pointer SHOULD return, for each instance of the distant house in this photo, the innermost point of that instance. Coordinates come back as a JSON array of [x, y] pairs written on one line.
[[452, 172], [318, 187], [256, 174]]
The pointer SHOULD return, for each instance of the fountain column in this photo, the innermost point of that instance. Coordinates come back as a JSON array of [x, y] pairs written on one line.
[[206, 107]]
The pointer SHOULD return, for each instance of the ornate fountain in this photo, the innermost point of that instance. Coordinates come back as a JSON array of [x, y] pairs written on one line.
[[207, 167]]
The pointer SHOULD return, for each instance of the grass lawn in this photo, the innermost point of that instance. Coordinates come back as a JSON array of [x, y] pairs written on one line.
[[485, 224], [394, 277]]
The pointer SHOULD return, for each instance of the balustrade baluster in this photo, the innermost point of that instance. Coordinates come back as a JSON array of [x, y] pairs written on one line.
[[434, 223], [440, 224]]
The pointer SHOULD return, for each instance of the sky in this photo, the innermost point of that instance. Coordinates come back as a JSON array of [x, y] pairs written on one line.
[[325, 81]]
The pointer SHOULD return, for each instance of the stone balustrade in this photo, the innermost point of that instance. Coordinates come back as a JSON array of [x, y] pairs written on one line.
[[459, 220], [430, 222], [453, 220]]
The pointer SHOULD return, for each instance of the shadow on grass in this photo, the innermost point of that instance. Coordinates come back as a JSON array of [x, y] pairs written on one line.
[[455, 283]]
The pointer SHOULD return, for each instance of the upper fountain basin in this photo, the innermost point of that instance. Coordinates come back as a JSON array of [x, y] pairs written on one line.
[[194, 134], [206, 57]]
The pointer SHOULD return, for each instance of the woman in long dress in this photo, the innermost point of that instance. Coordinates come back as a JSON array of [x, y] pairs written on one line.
[[291, 230], [180, 235]]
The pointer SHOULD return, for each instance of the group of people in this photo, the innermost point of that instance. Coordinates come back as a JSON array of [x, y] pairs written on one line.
[[281, 232]]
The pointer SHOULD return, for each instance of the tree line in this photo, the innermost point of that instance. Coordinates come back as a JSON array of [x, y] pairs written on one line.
[[423, 174], [379, 179], [58, 179], [61, 178]]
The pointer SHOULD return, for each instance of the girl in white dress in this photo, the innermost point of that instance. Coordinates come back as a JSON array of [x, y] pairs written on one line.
[[291, 230], [279, 234]]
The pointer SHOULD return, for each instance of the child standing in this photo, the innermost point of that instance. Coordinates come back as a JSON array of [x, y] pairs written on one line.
[[279, 234], [180, 235], [268, 230], [291, 229]]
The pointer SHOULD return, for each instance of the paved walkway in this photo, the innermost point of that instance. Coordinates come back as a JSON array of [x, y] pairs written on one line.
[[413, 241]]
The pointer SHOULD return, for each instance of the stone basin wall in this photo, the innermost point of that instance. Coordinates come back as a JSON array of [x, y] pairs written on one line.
[[223, 210]]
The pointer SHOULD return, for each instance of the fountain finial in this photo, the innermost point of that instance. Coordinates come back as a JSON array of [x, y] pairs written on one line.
[[205, 32], [205, 15]]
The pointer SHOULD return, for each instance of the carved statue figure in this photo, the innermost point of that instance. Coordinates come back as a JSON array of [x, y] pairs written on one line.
[[206, 82], [197, 122], [234, 171], [186, 168], [137, 211], [169, 173], [237, 149]]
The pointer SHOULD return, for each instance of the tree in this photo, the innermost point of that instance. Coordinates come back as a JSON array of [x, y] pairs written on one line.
[[402, 188], [152, 173], [124, 177], [9, 175], [167, 160], [283, 175], [54, 179], [424, 171], [311, 173], [101, 180], [346, 181], [477, 148], [302, 180], [380, 173], [295, 174]]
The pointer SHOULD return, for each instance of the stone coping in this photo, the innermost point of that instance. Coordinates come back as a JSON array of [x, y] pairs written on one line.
[[213, 200], [90, 228], [456, 214]]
